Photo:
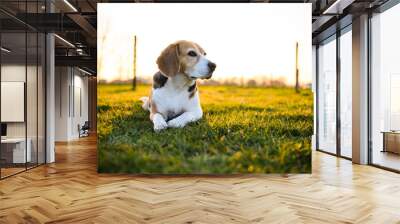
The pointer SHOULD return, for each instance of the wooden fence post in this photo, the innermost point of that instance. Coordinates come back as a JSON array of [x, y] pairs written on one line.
[[297, 68], [134, 64]]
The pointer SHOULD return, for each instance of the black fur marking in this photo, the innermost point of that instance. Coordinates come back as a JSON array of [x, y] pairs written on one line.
[[159, 80], [172, 115], [192, 88]]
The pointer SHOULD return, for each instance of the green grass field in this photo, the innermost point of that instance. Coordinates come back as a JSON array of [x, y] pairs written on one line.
[[243, 130]]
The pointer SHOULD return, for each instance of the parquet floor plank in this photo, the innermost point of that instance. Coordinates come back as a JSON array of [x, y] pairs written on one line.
[[71, 191]]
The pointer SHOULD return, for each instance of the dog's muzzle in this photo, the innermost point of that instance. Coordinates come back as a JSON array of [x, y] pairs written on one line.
[[211, 69], [211, 66]]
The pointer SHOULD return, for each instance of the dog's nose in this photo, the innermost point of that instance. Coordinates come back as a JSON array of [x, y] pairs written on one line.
[[211, 66]]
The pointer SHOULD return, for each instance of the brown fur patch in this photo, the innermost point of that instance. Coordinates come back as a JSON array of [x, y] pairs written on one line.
[[168, 61], [153, 109]]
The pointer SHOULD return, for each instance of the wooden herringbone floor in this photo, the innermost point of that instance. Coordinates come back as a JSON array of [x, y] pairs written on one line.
[[70, 191]]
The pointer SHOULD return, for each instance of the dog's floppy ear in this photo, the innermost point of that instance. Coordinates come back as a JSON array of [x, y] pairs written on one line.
[[168, 61]]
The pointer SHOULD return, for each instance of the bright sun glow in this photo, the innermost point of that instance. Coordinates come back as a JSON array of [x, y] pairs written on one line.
[[247, 41]]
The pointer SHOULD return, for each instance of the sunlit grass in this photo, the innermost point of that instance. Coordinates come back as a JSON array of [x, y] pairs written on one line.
[[243, 130]]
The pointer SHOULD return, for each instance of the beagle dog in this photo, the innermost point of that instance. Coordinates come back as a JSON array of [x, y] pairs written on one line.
[[174, 100]]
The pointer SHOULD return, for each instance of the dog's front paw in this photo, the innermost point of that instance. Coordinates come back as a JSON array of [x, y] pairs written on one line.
[[160, 125], [175, 123]]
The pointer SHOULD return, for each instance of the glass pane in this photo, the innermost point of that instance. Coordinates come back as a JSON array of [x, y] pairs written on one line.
[[41, 98], [31, 98], [31, 85], [327, 97], [13, 86], [346, 94], [386, 89]]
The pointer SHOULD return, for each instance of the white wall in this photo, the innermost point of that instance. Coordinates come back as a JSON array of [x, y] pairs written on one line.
[[12, 73], [81, 89], [62, 83], [33, 126], [13, 101], [71, 94]]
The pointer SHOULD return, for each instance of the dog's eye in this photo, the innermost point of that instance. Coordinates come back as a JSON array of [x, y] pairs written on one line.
[[192, 54], [205, 53]]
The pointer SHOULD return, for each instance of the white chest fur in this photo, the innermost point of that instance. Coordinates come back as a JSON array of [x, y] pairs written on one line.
[[176, 103], [172, 100]]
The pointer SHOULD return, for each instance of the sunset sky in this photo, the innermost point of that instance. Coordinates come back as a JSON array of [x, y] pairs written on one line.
[[246, 40]]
